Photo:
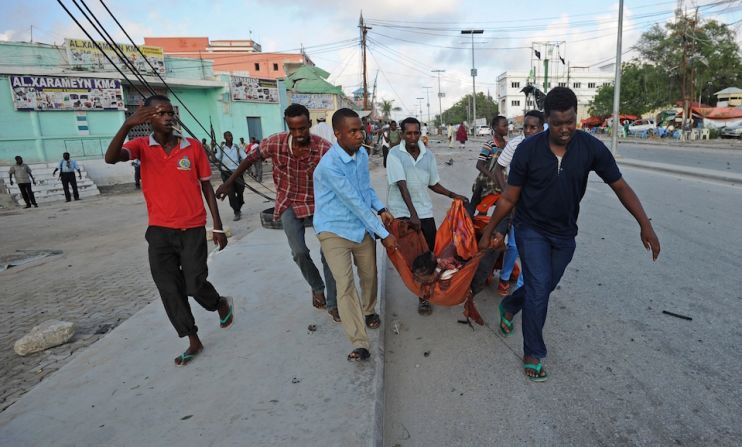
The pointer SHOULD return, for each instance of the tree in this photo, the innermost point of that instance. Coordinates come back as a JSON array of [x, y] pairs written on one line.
[[461, 111], [641, 91], [387, 106]]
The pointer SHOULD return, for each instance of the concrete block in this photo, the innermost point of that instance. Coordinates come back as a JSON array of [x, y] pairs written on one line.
[[48, 334]]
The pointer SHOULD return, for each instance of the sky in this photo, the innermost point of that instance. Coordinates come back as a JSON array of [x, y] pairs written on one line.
[[407, 40]]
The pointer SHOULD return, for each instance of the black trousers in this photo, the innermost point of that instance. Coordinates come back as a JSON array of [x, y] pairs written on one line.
[[236, 198], [68, 178], [177, 260], [427, 226], [27, 193]]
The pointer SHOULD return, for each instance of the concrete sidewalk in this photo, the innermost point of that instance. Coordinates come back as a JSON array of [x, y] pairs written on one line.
[[710, 174], [267, 380]]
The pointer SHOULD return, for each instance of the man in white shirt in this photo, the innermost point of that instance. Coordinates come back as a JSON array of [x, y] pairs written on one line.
[[230, 155], [323, 130], [411, 170], [533, 123]]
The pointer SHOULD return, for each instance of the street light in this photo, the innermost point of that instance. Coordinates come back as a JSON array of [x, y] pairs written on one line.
[[473, 72], [440, 95], [427, 91]]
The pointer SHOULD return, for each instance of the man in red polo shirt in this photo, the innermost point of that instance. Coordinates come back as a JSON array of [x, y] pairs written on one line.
[[175, 172], [295, 154]]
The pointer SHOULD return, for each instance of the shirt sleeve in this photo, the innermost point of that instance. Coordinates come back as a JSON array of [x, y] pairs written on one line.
[[486, 153], [394, 170], [132, 147], [203, 168], [604, 164], [519, 168], [434, 178], [345, 191], [506, 157], [28, 169]]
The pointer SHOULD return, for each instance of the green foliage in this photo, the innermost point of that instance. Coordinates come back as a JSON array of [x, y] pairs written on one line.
[[486, 108], [654, 79]]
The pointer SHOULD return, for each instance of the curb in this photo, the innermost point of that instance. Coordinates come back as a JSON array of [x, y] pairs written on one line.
[[377, 439], [709, 174], [677, 144]]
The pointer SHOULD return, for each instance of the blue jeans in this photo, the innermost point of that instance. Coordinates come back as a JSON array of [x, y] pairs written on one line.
[[294, 229], [544, 258], [511, 254]]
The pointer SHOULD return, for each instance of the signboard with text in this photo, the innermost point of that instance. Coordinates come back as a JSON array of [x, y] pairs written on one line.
[[242, 88], [314, 101], [84, 54], [44, 93]]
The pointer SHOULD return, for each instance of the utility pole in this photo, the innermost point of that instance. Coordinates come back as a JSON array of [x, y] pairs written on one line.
[[364, 30], [420, 106], [31, 33], [617, 83], [473, 73], [427, 91], [440, 95]]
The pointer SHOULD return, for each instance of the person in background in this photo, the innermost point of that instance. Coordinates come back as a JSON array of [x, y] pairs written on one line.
[[67, 168], [23, 174], [137, 173]]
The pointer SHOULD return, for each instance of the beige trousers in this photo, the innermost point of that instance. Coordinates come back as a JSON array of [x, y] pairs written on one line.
[[338, 253]]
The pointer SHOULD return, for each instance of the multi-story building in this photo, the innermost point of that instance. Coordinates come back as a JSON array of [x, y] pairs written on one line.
[[243, 57], [585, 83]]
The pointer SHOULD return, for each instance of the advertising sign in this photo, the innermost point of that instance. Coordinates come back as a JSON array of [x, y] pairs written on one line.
[[242, 88], [314, 101], [44, 93], [84, 54]]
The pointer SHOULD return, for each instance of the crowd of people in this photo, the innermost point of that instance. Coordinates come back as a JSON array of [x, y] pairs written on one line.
[[539, 176]]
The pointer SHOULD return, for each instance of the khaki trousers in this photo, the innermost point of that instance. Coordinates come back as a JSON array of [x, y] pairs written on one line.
[[338, 253]]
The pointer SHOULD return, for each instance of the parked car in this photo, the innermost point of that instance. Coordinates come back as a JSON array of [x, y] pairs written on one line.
[[640, 126], [483, 131], [731, 131]]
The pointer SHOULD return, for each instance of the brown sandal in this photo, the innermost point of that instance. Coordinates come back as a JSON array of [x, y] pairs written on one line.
[[335, 315], [359, 355], [318, 300]]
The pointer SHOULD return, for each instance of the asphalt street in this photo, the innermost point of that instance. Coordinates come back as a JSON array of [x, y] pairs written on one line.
[[621, 371], [729, 160]]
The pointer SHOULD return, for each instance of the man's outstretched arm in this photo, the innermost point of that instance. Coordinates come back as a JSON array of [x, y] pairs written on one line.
[[631, 202]]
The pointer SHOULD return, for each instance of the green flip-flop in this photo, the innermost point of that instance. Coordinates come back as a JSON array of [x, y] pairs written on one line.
[[506, 322], [223, 321], [185, 358], [538, 368]]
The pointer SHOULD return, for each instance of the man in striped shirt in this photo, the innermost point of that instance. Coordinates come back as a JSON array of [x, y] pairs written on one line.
[[486, 182]]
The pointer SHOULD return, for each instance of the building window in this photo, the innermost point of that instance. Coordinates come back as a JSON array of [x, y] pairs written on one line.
[[515, 102], [606, 84], [590, 85], [562, 84], [576, 85], [515, 84], [275, 67], [257, 66], [548, 85]]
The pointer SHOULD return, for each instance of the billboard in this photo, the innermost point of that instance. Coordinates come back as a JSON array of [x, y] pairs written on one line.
[[84, 54], [242, 88], [314, 101], [44, 93]]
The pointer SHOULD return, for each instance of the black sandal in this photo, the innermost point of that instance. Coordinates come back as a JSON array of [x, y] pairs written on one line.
[[373, 321], [359, 355], [424, 307]]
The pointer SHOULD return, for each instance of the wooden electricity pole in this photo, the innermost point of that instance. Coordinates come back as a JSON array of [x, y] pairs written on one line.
[[364, 30]]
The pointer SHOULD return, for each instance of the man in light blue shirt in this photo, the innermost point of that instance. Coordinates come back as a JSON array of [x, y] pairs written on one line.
[[230, 156], [411, 170], [67, 168], [346, 224]]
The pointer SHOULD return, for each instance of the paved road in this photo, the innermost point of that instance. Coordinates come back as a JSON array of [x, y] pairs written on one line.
[[100, 280], [729, 160], [621, 372]]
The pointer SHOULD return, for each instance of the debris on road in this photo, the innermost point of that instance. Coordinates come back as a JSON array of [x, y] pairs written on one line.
[[673, 314]]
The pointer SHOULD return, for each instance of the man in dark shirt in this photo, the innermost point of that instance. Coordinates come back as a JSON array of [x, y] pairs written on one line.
[[548, 177]]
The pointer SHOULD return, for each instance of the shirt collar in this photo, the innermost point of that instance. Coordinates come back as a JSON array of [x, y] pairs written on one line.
[[420, 144], [344, 157], [184, 143]]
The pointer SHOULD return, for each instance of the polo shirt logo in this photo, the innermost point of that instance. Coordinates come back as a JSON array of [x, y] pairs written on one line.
[[184, 164]]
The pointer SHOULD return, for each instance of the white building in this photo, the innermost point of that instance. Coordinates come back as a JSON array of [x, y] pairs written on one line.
[[512, 102]]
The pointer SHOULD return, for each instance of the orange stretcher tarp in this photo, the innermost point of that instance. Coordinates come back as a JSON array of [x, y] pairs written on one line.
[[456, 227]]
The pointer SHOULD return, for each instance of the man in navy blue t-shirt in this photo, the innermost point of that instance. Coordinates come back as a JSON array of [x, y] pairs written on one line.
[[548, 177]]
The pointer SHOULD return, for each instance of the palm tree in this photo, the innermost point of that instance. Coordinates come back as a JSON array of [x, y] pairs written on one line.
[[387, 105]]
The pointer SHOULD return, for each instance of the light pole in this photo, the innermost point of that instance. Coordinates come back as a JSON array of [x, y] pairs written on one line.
[[420, 106], [473, 73], [427, 92], [617, 83], [440, 95]]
